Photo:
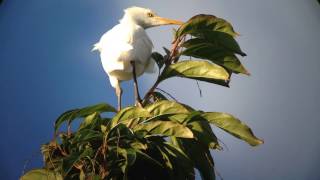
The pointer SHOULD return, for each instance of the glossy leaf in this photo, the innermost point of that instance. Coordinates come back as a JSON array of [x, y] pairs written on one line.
[[41, 174], [76, 113], [129, 113], [166, 107], [199, 70], [91, 121], [164, 128], [218, 39], [202, 48], [206, 22], [233, 126]]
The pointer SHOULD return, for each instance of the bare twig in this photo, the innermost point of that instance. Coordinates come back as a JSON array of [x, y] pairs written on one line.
[[170, 59], [167, 94]]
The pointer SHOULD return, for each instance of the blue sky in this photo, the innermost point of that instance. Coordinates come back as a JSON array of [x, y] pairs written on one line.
[[46, 68]]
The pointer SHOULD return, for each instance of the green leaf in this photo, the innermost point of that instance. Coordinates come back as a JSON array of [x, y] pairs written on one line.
[[130, 157], [166, 107], [198, 154], [204, 134], [87, 135], [206, 22], [169, 110], [69, 161], [176, 161], [76, 113], [202, 48], [199, 70], [91, 121], [157, 96], [218, 39], [41, 174], [233, 126], [129, 113], [158, 58], [164, 128]]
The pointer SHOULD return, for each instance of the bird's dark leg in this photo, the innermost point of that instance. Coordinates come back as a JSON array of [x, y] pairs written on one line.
[[119, 93], [135, 82]]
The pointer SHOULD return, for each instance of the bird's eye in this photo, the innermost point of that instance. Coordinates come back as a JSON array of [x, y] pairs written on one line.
[[150, 14]]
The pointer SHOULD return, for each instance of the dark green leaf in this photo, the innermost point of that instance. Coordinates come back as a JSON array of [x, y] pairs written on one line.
[[69, 161], [157, 96], [87, 135], [202, 48], [177, 161], [158, 58], [205, 22], [41, 174], [202, 131], [199, 155], [164, 128], [199, 70], [233, 126]]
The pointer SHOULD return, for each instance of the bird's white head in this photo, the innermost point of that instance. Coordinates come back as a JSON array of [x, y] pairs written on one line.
[[145, 18]]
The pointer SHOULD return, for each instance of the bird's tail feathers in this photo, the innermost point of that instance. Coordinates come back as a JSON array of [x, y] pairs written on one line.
[[96, 47]]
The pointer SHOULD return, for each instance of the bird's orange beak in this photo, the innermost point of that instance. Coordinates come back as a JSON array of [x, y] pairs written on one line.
[[166, 21]]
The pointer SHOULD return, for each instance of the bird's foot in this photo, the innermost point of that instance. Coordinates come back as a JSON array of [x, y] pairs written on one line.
[[138, 103]]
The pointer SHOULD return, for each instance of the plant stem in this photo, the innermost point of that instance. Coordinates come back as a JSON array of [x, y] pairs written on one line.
[[168, 62]]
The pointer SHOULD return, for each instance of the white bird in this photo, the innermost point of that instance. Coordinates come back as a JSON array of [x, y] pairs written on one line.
[[125, 50]]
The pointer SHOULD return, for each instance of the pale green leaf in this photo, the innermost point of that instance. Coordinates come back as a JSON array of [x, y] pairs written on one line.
[[199, 70], [41, 174], [164, 128], [233, 126]]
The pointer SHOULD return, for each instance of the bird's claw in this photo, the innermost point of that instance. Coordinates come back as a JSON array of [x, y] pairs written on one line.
[[138, 104]]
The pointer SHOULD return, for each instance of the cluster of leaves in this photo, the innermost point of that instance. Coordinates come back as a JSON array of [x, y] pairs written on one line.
[[164, 139]]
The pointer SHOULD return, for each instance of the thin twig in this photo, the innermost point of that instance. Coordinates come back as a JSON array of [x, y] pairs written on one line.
[[167, 94], [200, 91], [168, 61]]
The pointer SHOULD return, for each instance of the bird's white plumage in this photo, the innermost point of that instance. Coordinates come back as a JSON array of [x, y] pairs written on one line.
[[125, 42], [127, 45]]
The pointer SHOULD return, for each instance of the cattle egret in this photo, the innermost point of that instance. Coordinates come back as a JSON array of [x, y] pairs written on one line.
[[125, 50]]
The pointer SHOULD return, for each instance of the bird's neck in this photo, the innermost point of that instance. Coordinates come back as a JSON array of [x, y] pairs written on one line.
[[129, 21]]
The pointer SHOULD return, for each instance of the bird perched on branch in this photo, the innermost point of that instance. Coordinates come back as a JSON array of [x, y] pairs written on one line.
[[126, 49]]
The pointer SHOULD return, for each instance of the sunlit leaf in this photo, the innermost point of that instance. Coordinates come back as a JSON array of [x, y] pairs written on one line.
[[166, 107], [41, 174], [91, 121], [199, 70], [76, 113], [164, 128], [129, 113], [233, 126]]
